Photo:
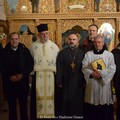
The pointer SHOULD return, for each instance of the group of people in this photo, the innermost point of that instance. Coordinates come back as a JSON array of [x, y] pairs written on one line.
[[65, 84]]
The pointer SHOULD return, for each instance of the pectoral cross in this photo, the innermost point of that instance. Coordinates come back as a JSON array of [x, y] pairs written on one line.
[[73, 66]]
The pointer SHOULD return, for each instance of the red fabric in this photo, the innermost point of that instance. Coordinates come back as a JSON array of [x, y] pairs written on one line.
[[85, 42]]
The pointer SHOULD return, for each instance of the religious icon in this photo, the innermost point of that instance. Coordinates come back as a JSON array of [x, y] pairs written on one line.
[[107, 32], [98, 64], [3, 37], [2, 14]]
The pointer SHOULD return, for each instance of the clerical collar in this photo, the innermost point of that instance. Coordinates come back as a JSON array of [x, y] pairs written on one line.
[[98, 51], [14, 49], [118, 46], [91, 39]]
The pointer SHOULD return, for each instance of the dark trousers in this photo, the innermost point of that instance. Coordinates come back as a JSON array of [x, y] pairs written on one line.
[[12, 104], [98, 112], [118, 104], [58, 101], [33, 99]]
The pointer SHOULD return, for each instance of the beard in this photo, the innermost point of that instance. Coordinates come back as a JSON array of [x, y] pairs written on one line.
[[72, 46]]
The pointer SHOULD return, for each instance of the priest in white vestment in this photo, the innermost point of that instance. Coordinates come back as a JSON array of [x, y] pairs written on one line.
[[44, 52], [98, 68]]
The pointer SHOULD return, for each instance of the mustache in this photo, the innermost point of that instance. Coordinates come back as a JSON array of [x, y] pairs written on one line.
[[71, 43]]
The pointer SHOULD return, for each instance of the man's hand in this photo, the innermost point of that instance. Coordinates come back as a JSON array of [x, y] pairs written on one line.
[[19, 76], [16, 77], [96, 74], [13, 78]]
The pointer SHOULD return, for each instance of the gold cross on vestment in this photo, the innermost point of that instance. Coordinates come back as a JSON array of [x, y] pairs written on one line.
[[73, 66]]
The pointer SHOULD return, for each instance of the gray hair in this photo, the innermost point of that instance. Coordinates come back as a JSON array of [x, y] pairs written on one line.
[[99, 36]]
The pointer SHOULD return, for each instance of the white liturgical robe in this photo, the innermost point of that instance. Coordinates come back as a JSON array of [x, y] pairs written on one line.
[[98, 92], [44, 65]]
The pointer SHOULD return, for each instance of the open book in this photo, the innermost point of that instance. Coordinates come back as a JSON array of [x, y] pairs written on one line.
[[98, 64]]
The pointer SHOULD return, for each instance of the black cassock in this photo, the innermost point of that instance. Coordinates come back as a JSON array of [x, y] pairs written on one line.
[[69, 98]]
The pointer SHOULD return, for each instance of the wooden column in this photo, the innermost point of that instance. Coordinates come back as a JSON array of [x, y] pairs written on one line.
[[59, 34], [117, 30]]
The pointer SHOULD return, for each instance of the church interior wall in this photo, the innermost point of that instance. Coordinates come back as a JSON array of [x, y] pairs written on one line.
[[60, 15]]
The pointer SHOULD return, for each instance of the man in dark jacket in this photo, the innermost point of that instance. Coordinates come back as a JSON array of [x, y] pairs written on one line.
[[88, 42], [116, 79], [18, 63]]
